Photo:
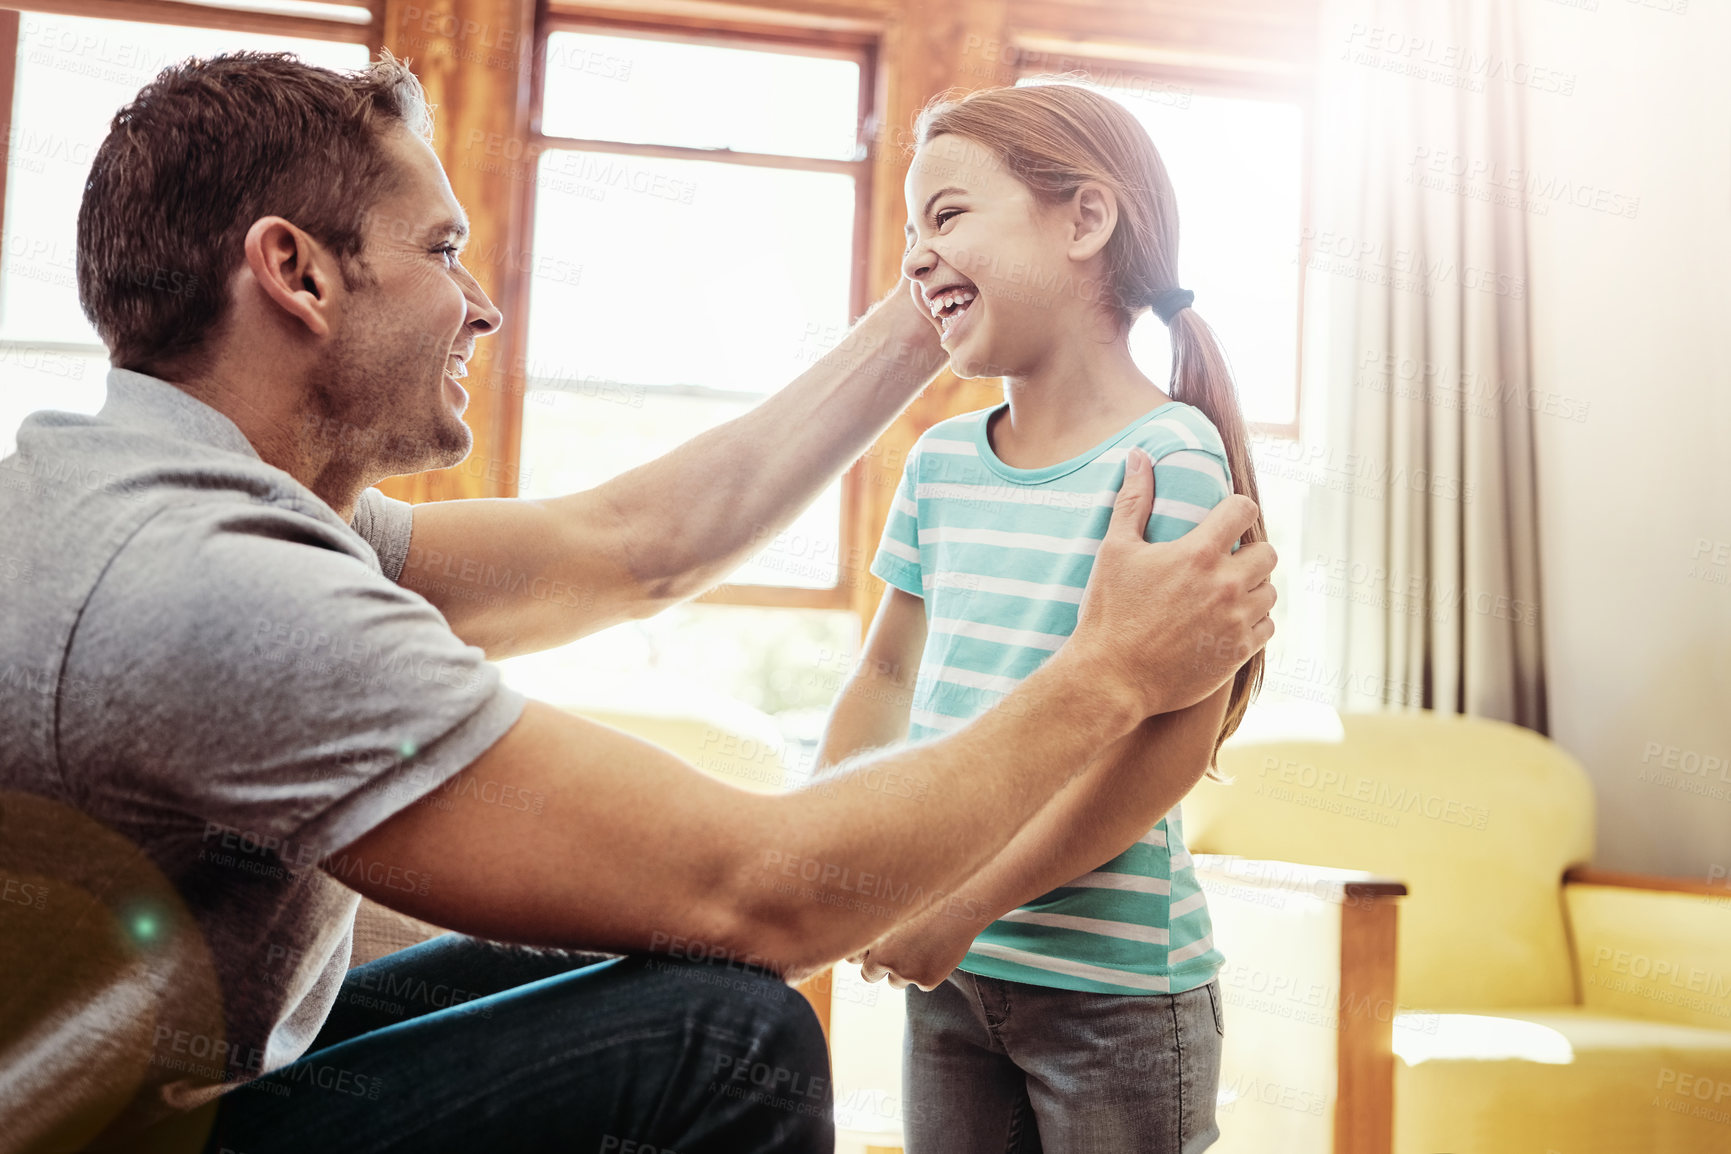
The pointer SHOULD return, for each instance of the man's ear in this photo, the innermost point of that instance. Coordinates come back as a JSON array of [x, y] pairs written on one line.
[[1093, 217], [294, 270]]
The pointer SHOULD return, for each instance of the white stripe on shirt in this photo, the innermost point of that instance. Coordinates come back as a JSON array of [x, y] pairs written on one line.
[[1177, 429], [938, 721], [1183, 510], [1130, 931], [1153, 983], [995, 682], [1196, 463], [1193, 949], [1011, 495], [1002, 634], [955, 535], [942, 445], [1134, 883], [1009, 586], [896, 549]]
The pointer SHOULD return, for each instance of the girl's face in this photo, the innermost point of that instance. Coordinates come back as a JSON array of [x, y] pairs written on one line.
[[996, 270]]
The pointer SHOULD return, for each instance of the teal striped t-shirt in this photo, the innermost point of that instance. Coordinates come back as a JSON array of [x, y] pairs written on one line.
[[1001, 556]]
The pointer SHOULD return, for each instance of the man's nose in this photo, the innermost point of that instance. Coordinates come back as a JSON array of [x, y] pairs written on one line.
[[483, 315]]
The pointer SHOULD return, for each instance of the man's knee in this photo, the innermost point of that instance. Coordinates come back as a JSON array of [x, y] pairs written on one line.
[[766, 998], [768, 1015], [761, 1059], [792, 1022], [776, 1079]]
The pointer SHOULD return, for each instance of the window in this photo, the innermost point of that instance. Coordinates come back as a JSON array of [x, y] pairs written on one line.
[[71, 75], [695, 288], [707, 227], [697, 242]]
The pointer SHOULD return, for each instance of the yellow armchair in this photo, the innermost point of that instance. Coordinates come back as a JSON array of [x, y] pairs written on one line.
[[1511, 1002]]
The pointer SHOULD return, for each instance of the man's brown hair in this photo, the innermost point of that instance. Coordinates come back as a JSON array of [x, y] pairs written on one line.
[[205, 149]]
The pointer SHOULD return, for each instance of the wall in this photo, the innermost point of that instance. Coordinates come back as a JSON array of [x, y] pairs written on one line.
[[1629, 319]]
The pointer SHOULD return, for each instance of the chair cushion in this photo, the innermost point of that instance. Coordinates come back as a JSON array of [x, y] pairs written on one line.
[[1565, 1080], [1479, 818]]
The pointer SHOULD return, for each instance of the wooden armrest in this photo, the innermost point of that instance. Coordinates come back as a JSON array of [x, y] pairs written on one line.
[[1327, 883], [1582, 875], [1366, 908]]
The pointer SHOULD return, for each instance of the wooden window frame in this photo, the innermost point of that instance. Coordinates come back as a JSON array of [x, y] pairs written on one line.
[[1251, 84], [184, 15], [859, 47]]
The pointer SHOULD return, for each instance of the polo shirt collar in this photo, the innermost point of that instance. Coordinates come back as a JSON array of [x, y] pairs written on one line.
[[138, 399]]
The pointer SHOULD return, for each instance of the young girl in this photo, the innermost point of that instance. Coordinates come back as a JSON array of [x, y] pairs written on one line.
[[1085, 1017]]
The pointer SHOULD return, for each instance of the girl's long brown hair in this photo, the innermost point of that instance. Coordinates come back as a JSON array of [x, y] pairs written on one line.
[[1054, 137]]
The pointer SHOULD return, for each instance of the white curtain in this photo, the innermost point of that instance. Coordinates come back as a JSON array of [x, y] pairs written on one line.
[[1420, 565]]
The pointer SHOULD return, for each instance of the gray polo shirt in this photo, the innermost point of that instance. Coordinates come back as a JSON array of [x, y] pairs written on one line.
[[209, 683]]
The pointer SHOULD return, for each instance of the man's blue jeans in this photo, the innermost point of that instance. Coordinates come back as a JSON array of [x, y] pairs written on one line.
[[466, 1046]]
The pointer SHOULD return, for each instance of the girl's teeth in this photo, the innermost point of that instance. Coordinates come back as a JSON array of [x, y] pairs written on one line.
[[959, 297]]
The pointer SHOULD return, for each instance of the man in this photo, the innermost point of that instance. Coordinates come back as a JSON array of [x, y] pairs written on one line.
[[237, 694]]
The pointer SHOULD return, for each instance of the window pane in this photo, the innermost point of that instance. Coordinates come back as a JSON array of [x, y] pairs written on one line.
[[578, 433], [688, 272], [73, 75], [1236, 165], [678, 294], [33, 377], [348, 13], [698, 96]]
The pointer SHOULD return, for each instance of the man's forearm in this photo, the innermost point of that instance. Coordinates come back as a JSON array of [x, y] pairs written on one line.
[[1099, 815], [883, 835], [706, 506]]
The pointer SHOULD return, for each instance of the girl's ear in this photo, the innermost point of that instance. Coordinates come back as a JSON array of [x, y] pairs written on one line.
[[1093, 218]]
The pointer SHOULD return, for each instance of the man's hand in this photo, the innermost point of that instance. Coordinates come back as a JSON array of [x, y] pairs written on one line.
[[1169, 623], [922, 951]]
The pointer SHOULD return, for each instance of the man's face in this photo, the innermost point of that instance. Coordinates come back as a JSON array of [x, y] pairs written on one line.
[[389, 377]]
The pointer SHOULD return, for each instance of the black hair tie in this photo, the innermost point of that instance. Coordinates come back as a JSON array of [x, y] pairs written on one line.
[[1167, 303]]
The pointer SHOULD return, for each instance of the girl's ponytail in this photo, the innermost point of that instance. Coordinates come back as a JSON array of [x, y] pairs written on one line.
[[1200, 378]]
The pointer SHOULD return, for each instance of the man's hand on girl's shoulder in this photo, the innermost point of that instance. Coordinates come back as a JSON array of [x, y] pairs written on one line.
[[1169, 623]]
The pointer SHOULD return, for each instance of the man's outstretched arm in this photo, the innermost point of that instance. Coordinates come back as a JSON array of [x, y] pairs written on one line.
[[515, 576], [637, 850]]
